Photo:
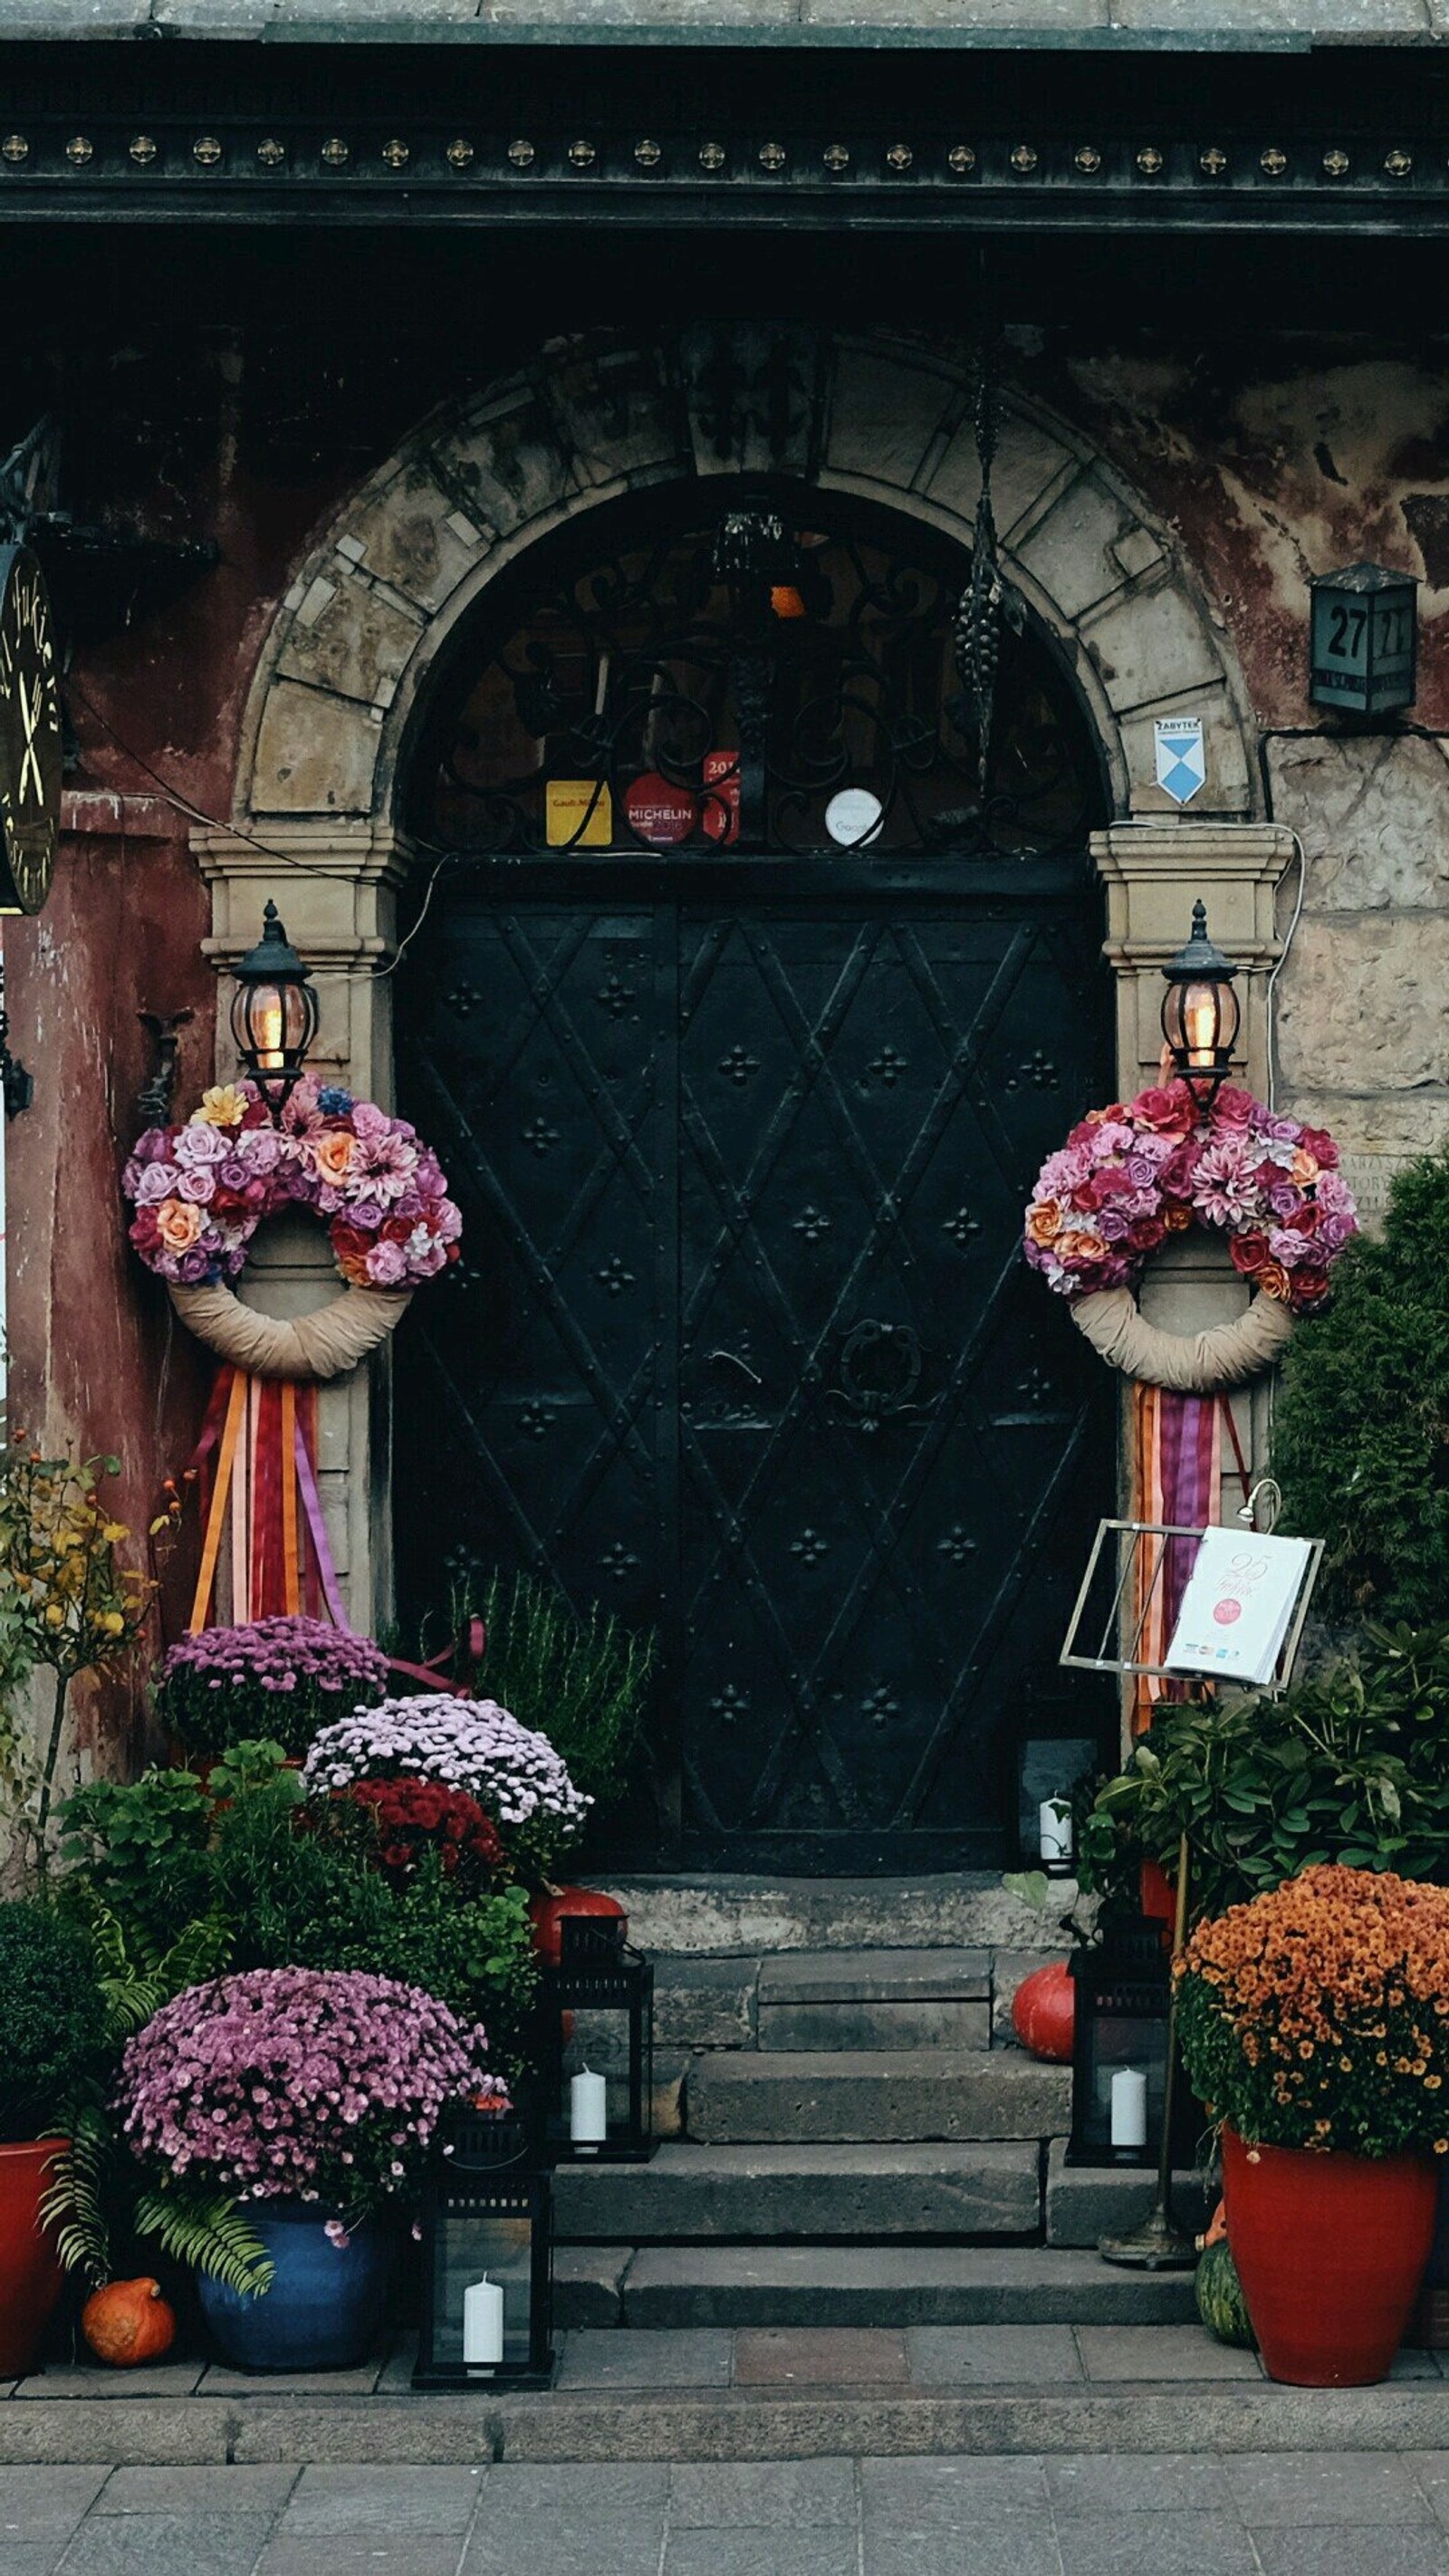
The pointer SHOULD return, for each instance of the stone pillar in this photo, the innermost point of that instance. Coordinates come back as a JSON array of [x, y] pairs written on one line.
[[335, 886], [1154, 873]]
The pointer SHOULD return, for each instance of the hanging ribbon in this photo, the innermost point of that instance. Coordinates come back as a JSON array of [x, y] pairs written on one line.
[[256, 1467], [1177, 1475]]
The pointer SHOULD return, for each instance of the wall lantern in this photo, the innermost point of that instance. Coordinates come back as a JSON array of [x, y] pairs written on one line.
[[1119, 2048], [273, 1013], [487, 2257], [596, 2045], [1364, 638], [1200, 1013]]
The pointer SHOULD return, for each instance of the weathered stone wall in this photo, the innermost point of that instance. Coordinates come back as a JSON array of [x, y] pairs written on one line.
[[1272, 462], [1164, 508]]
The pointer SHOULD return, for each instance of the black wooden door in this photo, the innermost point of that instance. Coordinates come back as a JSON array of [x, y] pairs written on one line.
[[743, 1343]]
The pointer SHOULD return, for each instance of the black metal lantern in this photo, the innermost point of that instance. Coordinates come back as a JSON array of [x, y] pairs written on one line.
[[1119, 2045], [1364, 641], [1200, 1013], [596, 2045], [273, 1012], [487, 2257]]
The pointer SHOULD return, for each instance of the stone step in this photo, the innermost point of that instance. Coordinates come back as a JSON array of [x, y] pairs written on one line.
[[1084, 2203], [759, 1916], [694, 2192], [875, 1999], [892, 2285], [1150, 2416], [764, 2097]]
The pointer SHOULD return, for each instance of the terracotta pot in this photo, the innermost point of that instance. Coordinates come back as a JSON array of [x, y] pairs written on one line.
[[1159, 1899], [1044, 2012], [547, 1912], [31, 2279], [1330, 2251]]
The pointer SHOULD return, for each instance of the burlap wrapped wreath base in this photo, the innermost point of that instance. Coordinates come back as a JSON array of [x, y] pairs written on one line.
[[1189, 1363], [322, 1345]]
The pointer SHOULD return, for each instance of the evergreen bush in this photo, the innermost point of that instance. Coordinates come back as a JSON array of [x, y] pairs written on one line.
[[52, 2019], [1361, 1441]]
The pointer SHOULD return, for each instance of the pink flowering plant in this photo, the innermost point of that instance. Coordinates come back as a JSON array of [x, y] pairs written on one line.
[[1130, 1176], [321, 2085], [279, 1679], [515, 1774], [200, 1190]]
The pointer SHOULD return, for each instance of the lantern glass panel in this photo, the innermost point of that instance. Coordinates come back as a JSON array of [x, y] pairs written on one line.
[[598, 2045], [1050, 1768], [475, 2246], [1123, 2042]]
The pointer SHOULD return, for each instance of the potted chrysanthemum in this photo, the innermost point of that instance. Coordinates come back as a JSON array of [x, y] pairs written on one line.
[[1315, 2026], [277, 1679], [514, 1773], [310, 2097]]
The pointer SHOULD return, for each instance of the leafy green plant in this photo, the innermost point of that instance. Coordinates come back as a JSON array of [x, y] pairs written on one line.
[[141, 1846], [1361, 1439], [1351, 1765], [52, 2017], [581, 1680], [69, 1603]]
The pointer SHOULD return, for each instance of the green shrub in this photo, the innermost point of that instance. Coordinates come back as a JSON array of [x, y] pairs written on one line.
[[1361, 1441], [52, 2019], [1350, 1765], [583, 1681]]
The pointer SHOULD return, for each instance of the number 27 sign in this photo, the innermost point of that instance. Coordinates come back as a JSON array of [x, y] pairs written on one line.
[[1364, 640]]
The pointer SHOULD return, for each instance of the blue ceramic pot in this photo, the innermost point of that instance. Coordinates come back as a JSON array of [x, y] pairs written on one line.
[[325, 2306]]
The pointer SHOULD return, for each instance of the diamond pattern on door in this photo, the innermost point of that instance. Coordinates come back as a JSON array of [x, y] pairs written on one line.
[[744, 1343]]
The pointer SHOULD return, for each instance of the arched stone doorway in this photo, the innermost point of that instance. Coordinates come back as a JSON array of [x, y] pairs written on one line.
[[743, 1021], [362, 642]]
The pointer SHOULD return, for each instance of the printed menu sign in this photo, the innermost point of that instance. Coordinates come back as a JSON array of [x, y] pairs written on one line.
[[1238, 1605]]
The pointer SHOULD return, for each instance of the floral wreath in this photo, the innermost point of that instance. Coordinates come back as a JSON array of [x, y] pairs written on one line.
[[201, 1189], [1133, 1174]]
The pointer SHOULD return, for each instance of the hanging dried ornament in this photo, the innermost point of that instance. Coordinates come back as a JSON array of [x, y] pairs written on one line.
[[988, 597]]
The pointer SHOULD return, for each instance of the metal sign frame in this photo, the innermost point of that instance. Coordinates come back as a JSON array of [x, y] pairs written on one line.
[[1130, 1537]]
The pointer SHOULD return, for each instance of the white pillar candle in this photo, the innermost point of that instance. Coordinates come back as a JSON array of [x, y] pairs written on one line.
[[1129, 2107], [482, 2324], [588, 2110], [1054, 1829]]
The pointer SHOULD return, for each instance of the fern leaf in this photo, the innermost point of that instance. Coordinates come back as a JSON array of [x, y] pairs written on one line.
[[74, 2202], [208, 2232]]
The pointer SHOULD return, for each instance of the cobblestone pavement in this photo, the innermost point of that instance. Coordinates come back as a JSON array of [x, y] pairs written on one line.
[[1368, 2513]]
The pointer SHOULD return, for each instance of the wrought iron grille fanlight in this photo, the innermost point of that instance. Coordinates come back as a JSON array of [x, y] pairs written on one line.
[[719, 674]]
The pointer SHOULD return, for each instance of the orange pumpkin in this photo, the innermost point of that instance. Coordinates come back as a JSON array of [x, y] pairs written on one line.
[[1044, 2012], [127, 2323]]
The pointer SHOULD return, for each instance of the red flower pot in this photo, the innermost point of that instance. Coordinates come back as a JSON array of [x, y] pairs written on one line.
[[1044, 2012], [30, 2275], [1330, 2251], [547, 1912]]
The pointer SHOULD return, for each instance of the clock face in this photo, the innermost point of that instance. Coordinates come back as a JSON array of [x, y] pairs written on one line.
[[30, 738]]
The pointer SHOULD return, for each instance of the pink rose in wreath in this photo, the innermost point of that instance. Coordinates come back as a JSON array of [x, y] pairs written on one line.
[[1131, 1175]]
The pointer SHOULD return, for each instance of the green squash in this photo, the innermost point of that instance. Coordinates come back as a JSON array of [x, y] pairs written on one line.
[[1220, 2301]]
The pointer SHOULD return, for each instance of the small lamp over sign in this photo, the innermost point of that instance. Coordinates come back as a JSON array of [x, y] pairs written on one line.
[[1200, 1013], [273, 1013], [1364, 636]]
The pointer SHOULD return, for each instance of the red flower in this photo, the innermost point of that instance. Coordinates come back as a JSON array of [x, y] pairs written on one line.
[[1318, 1142], [412, 1815], [1250, 1254], [1233, 1107], [1145, 1234], [1168, 1108]]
